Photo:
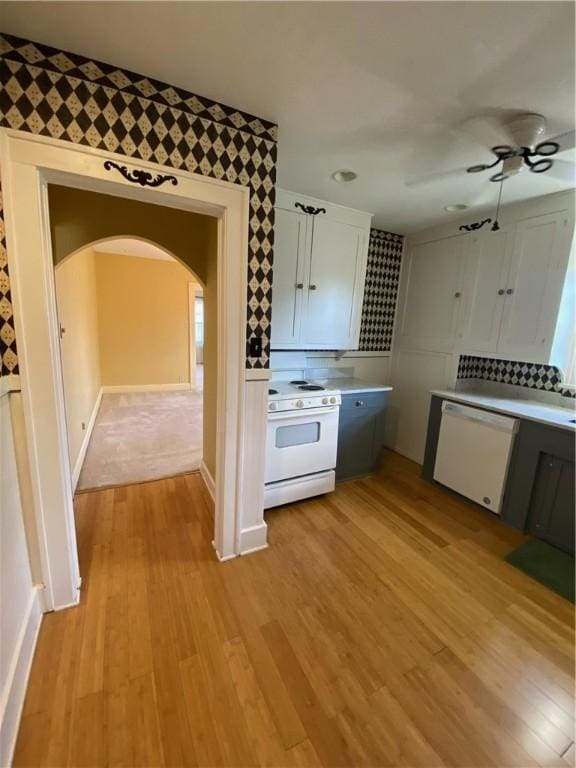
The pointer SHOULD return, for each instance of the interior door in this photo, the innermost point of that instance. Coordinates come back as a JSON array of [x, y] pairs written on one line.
[[335, 286], [432, 295], [486, 264], [534, 287], [290, 245]]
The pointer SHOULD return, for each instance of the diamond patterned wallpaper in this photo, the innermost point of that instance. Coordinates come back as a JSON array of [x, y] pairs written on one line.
[[531, 375], [8, 356], [381, 291], [65, 96]]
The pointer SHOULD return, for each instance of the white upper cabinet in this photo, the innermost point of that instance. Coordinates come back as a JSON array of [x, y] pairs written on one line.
[[290, 244], [486, 292], [486, 268], [336, 285], [534, 286], [432, 295], [319, 273]]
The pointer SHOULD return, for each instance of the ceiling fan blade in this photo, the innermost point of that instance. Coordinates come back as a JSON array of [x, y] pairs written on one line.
[[565, 140], [488, 132], [431, 178], [562, 170]]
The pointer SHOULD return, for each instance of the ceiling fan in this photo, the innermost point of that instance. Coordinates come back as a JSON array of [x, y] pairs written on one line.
[[522, 146]]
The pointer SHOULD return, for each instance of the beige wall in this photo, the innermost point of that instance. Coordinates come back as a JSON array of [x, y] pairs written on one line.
[[78, 217], [78, 313], [143, 320]]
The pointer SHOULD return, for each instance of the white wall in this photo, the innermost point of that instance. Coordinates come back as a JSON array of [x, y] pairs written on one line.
[[373, 368], [414, 373], [19, 603]]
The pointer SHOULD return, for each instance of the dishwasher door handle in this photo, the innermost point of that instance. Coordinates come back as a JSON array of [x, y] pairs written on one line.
[[495, 420]]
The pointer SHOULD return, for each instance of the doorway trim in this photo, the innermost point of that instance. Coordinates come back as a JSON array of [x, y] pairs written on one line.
[[29, 163], [192, 334]]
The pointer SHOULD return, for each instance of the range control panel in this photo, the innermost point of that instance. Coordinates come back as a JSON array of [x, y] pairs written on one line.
[[301, 403]]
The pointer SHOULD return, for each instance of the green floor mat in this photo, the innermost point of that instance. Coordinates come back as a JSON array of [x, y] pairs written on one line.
[[547, 564]]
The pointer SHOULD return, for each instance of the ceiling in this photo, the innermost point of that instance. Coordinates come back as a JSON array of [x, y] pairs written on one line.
[[379, 87], [128, 246]]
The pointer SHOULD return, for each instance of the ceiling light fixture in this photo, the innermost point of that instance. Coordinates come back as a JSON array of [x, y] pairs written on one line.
[[343, 176], [455, 207]]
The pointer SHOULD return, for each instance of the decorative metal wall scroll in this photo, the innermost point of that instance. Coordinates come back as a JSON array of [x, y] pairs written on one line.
[[138, 176], [475, 225], [309, 209]]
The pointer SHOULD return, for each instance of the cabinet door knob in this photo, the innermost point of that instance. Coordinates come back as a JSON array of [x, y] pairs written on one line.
[[312, 287], [509, 291], [359, 403], [501, 292], [300, 286], [457, 295]]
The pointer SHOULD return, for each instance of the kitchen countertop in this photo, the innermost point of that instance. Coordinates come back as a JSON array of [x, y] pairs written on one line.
[[533, 410], [349, 386]]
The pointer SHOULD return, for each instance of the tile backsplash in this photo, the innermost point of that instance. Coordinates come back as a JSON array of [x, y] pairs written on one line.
[[522, 374]]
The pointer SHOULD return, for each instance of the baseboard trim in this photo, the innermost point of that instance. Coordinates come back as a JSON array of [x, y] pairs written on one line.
[[208, 479], [12, 697], [112, 389], [253, 539], [219, 556], [84, 447]]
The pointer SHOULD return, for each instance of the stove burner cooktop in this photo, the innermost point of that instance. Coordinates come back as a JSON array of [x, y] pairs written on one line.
[[311, 388], [298, 383]]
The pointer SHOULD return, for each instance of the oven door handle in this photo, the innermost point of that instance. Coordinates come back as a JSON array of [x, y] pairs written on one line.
[[302, 413]]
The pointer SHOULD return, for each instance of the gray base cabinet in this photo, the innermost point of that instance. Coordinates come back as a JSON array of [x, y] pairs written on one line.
[[539, 494], [540, 487], [360, 434], [551, 515]]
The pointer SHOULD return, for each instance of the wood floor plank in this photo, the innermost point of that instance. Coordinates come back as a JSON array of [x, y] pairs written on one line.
[[322, 731], [382, 627], [301, 755]]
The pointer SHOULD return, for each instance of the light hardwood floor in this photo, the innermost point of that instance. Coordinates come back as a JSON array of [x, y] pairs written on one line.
[[381, 628]]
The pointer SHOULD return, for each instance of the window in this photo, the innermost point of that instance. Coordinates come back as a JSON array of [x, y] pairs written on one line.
[[199, 320], [564, 347]]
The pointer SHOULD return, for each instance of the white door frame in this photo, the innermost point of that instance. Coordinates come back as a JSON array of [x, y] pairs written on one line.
[[28, 164], [192, 333], [195, 291]]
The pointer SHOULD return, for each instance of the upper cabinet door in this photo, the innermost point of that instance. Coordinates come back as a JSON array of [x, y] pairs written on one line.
[[486, 265], [432, 295], [290, 257], [534, 287], [335, 285]]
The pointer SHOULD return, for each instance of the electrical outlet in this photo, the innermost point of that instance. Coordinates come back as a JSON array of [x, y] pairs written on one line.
[[255, 345]]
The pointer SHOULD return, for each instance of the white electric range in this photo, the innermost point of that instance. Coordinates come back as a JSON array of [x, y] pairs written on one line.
[[302, 440]]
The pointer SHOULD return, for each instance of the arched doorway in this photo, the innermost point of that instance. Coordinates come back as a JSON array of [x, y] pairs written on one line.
[[128, 319]]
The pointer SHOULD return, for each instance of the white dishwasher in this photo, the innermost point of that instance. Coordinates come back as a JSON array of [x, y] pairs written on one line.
[[473, 453]]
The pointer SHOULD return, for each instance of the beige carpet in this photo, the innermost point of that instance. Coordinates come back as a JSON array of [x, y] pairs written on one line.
[[143, 436]]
